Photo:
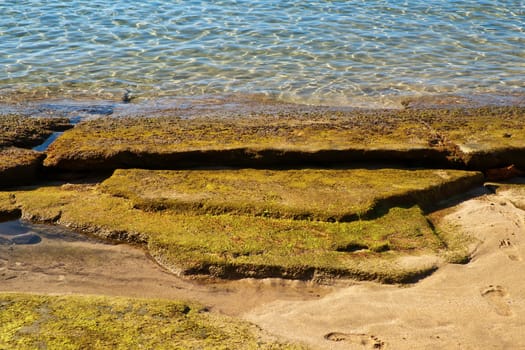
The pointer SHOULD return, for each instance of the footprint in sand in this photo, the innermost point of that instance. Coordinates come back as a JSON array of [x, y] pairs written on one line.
[[367, 341], [510, 249], [497, 298]]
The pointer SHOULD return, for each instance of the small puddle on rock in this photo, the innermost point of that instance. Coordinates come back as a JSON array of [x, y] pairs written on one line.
[[16, 232], [22, 232], [42, 147]]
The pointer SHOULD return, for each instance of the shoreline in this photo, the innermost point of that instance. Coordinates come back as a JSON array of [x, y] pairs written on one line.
[[122, 103]]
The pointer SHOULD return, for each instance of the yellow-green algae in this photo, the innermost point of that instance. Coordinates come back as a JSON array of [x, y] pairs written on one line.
[[92, 322], [319, 194], [21, 131], [103, 139], [419, 135], [18, 157], [8, 207], [484, 129], [165, 134], [239, 245], [19, 166]]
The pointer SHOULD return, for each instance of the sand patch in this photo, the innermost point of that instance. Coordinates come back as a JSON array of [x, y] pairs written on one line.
[[472, 306], [496, 296]]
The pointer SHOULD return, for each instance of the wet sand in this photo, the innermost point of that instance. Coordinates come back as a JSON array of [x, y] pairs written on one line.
[[64, 262]]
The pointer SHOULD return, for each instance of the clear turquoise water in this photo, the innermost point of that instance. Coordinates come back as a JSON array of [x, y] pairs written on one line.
[[317, 52]]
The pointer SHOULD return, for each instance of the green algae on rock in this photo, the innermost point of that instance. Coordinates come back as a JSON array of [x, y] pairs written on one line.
[[487, 137], [439, 137], [171, 142], [92, 322], [19, 166], [8, 208], [27, 132], [234, 246], [313, 194]]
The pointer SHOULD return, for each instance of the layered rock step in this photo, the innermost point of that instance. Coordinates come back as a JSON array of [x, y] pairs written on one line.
[[301, 224], [464, 138], [303, 194], [26, 132], [19, 165]]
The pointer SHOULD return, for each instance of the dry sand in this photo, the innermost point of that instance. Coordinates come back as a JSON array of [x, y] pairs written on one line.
[[480, 305]]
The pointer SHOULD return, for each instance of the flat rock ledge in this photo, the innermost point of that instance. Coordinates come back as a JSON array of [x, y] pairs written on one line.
[[475, 139], [197, 229], [26, 132]]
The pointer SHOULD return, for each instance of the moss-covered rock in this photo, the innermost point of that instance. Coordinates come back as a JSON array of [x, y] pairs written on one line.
[[170, 143], [439, 137], [313, 194], [27, 132], [8, 208], [486, 137], [19, 166], [89, 322], [233, 246]]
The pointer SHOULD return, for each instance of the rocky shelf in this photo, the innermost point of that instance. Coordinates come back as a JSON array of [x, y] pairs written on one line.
[[475, 139], [302, 196]]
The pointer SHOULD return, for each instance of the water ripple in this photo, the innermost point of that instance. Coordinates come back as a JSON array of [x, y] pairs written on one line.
[[333, 52]]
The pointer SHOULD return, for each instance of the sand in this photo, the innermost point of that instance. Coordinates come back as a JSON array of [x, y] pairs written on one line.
[[479, 305], [68, 263]]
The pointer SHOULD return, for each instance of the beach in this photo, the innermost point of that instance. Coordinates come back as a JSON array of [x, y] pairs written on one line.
[[422, 249], [459, 307], [255, 174]]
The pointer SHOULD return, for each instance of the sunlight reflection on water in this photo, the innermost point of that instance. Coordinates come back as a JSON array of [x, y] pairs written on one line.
[[316, 52]]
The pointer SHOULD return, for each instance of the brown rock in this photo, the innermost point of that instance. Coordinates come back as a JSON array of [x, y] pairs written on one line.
[[19, 166]]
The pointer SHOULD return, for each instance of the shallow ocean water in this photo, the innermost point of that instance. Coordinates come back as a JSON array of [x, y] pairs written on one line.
[[340, 53]]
